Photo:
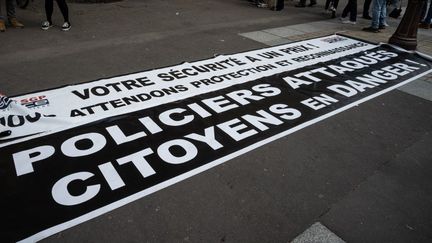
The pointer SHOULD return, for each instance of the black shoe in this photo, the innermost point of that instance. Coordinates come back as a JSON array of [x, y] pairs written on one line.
[[66, 26], [371, 29], [367, 17], [333, 14], [312, 4], [382, 27], [46, 25], [299, 5]]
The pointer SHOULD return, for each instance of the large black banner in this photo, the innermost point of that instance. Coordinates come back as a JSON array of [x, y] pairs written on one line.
[[52, 182]]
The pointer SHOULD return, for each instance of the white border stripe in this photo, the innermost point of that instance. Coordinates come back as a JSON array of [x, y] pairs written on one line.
[[53, 230]]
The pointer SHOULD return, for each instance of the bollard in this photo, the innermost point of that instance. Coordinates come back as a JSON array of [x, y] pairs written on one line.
[[406, 33]]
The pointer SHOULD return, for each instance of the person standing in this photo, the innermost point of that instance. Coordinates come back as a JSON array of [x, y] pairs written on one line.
[[49, 11], [11, 16], [351, 9], [379, 11]]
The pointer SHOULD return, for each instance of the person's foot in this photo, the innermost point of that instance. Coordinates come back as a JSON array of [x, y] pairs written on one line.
[[300, 5], [344, 20], [2, 26], [367, 17], [381, 27], [46, 25], [332, 10], [348, 22], [311, 4], [371, 29], [15, 23], [424, 26], [66, 26]]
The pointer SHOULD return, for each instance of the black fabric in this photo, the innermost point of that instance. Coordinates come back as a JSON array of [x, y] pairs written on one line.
[[350, 8], [279, 5], [49, 8], [366, 7], [395, 13]]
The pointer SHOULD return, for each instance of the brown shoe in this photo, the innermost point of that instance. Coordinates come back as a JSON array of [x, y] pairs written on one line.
[[15, 23], [424, 26], [2, 26]]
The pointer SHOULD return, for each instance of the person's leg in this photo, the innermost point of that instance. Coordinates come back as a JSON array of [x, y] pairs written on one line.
[[366, 7], [49, 8], [10, 8], [64, 9], [13, 21], [428, 19], [334, 7], [376, 12], [426, 22], [382, 15], [327, 3], [335, 4], [1, 15], [353, 10], [346, 10]]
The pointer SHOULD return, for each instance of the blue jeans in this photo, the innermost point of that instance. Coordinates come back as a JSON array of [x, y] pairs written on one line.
[[428, 19], [10, 9], [379, 11]]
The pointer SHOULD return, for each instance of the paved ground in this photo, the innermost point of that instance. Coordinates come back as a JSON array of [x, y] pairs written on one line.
[[365, 174]]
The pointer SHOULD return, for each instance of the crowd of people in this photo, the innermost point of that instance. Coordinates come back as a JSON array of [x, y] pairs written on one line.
[[348, 16], [378, 12], [11, 20]]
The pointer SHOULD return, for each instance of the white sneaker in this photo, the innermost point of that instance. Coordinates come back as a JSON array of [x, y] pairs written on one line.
[[66, 26], [348, 22], [46, 25]]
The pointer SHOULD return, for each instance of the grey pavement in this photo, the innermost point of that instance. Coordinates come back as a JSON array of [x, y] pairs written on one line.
[[317, 233], [364, 174]]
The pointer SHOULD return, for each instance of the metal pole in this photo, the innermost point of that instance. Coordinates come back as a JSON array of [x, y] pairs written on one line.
[[406, 33]]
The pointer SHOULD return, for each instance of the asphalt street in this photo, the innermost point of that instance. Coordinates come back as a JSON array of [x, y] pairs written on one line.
[[366, 173]]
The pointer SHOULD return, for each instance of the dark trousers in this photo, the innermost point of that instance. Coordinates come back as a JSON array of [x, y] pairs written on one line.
[[366, 7], [63, 9], [350, 8], [10, 9]]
